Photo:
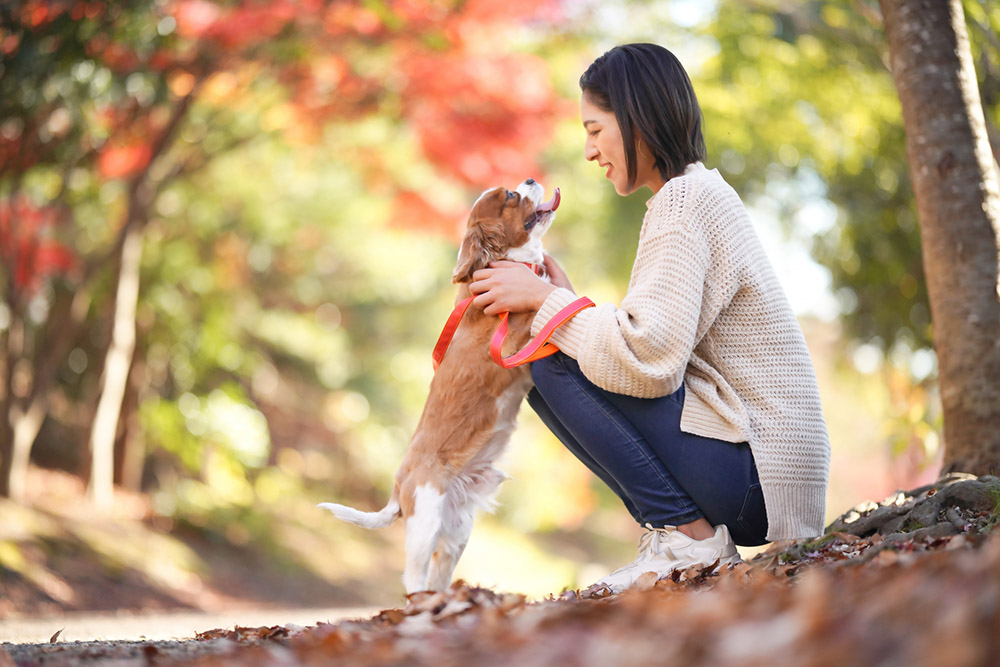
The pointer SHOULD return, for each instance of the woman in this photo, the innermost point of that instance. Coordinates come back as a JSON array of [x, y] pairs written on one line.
[[695, 400]]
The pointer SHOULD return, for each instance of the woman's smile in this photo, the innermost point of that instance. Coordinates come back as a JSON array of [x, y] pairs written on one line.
[[604, 146]]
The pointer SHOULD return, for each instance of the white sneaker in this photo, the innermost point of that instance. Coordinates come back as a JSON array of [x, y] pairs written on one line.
[[663, 550]]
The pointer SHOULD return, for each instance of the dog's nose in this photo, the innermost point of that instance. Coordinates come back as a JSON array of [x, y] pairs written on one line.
[[530, 181]]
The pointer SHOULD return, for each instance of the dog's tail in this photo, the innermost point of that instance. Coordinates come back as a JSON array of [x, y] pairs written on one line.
[[370, 520]]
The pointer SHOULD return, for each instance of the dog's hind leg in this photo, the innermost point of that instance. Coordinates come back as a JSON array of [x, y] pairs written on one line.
[[423, 530], [454, 536]]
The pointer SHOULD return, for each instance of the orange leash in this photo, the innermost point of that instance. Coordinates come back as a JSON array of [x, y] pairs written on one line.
[[538, 347], [450, 327]]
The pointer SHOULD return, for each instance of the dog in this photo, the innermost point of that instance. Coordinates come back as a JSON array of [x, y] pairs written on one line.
[[447, 471]]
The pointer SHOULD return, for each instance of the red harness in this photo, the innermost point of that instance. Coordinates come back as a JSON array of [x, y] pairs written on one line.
[[537, 348]]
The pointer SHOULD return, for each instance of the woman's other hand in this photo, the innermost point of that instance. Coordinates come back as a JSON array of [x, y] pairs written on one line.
[[510, 287]]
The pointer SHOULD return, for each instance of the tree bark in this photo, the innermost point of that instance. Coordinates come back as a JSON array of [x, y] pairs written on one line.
[[8, 342], [6, 403], [957, 193], [63, 324], [116, 371], [130, 446]]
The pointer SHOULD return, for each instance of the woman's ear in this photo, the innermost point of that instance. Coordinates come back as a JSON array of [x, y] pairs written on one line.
[[482, 244]]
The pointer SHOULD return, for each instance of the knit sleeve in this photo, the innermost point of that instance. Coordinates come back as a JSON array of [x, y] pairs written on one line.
[[642, 347]]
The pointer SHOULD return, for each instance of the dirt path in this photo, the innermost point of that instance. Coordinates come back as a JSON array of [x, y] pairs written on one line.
[[126, 639], [160, 626]]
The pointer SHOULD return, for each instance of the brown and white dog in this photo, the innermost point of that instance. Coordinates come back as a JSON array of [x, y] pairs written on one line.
[[469, 415]]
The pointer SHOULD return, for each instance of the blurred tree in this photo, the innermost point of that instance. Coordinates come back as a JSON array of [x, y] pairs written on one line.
[[93, 99], [800, 109], [958, 202]]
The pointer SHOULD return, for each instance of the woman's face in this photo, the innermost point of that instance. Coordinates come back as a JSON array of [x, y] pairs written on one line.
[[604, 145]]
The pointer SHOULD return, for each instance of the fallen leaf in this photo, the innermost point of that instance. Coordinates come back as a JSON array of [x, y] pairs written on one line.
[[55, 637], [887, 557], [452, 608], [645, 581], [957, 542], [207, 635], [511, 601], [391, 616]]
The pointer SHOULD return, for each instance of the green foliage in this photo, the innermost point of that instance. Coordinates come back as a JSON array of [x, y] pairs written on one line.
[[799, 94]]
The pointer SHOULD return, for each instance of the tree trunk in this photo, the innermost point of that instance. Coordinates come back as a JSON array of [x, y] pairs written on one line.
[[64, 325], [26, 427], [130, 447], [6, 405], [116, 371], [958, 204], [8, 340]]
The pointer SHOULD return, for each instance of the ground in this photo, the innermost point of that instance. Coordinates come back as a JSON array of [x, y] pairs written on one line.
[[913, 580]]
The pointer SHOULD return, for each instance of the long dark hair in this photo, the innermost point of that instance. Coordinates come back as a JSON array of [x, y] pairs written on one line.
[[648, 91]]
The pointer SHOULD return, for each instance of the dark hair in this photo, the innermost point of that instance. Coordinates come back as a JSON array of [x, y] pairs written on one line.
[[648, 91]]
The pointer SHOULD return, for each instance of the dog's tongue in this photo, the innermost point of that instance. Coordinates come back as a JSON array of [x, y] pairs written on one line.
[[551, 204]]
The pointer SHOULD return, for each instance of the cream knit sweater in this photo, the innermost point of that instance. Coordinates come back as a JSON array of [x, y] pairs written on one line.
[[704, 307]]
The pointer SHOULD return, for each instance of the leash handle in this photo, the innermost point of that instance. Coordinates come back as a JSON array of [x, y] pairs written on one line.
[[538, 347]]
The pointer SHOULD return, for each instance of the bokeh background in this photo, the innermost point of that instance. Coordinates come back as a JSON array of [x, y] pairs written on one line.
[[227, 234]]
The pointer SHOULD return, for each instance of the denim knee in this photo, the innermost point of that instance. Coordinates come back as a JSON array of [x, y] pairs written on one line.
[[551, 367], [544, 369]]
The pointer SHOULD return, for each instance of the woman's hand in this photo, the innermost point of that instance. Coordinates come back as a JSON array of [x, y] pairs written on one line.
[[509, 287]]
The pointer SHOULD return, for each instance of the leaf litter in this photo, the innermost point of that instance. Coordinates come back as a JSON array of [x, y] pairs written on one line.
[[927, 597], [839, 600]]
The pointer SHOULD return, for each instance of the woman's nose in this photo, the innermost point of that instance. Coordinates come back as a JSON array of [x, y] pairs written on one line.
[[589, 151]]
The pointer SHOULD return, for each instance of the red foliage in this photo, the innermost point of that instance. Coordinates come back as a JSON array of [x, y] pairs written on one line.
[[482, 119], [9, 44], [121, 159], [36, 14], [13, 155], [412, 211], [344, 18], [480, 116], [120, 58], [26, 244], [233, 28]]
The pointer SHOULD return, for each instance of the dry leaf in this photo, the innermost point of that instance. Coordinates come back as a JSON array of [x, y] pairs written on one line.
[[391, 616], [452, 608], [645, 581], [957, 542], [55, 637]]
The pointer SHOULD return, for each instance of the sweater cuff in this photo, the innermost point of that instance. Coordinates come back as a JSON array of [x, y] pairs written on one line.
[[794, 511], [571, 335]]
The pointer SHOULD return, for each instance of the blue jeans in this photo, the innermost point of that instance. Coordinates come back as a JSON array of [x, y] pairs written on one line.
[[635, 445]]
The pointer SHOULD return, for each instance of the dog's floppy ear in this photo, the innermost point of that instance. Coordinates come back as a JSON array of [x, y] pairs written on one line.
[[482, 244]]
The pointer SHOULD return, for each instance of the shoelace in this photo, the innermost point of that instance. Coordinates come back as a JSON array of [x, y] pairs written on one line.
[[650, 543]]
